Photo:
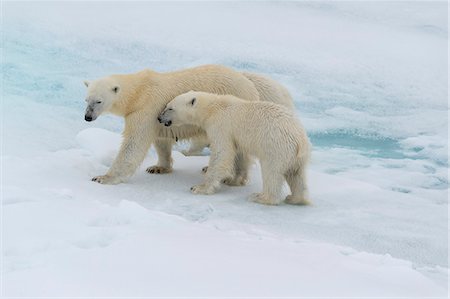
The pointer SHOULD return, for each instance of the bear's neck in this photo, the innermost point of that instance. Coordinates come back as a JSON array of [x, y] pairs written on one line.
[[147, 85], [210, 111], [136, 90]]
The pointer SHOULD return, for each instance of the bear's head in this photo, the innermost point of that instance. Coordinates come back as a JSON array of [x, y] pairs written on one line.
[[181, 110], [101, 95]]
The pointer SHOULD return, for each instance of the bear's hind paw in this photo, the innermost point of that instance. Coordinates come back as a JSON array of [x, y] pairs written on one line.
[[106, 179], [297, 200], [237, 181], [262, 199], [189, 153], [202, 189]]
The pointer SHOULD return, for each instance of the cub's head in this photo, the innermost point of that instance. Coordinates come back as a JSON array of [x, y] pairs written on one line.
[[181, 110], [101, 95]]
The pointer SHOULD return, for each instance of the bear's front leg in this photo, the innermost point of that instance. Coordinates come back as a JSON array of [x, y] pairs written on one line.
[[221, 165], [138, 136]]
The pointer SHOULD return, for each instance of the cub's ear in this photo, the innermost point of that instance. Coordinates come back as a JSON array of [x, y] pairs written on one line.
[[86, 83], [116, 89], [193, 101]]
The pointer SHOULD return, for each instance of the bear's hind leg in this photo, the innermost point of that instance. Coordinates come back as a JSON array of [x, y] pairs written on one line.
[[242, 163], [163, 148], [272, 186], [296, 180], [198, 143]]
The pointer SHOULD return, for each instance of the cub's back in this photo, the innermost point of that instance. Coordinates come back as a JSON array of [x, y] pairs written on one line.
[[259, 115], [261, 127]]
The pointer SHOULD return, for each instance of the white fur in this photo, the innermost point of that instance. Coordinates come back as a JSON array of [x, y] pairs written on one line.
[[238, 128], [198, 143], [268, 90], [140, 97]]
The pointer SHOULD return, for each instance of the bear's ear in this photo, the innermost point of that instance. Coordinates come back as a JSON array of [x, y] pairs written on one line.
[[193, 101], [86, 83], [116, 89]]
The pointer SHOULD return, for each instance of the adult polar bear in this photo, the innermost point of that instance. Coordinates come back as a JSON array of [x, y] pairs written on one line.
[[140, 97]]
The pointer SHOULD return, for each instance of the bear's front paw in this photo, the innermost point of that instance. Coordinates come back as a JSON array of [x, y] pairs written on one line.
[[158, 169], [263, 199], [106, 179], [202, 189]]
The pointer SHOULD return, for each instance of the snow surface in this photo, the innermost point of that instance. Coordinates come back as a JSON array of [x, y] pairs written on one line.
[[370, 84]]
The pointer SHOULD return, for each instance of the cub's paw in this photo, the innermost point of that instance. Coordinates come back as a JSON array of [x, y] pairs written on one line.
[[188, 153], [202, 189], [205, 169], [262, 199], [106, 179], [158, 169], [237, 181], [297, 200]]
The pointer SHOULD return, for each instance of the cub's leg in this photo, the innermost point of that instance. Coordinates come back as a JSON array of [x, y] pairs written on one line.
[[221, 166], [163, 148], [242, 163], [272, 185], [296, 180], [204, 169]]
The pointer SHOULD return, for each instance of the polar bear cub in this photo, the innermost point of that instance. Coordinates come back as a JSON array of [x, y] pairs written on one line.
[[268, 131]]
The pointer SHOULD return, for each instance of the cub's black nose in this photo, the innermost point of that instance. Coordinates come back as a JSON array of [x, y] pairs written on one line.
[[168, 123], [87, 118]]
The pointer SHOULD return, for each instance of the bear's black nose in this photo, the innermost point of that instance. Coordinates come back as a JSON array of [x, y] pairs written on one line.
[[168, 123], [87, 118]]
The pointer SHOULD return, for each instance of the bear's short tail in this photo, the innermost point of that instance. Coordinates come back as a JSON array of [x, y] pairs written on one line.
[[303, 154]]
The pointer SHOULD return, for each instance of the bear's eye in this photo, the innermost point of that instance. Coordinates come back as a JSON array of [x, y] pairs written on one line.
[[170, 109], [98, 102]]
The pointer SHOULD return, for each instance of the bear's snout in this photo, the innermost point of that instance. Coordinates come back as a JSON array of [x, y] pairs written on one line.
[[164, 119], [88, 118]]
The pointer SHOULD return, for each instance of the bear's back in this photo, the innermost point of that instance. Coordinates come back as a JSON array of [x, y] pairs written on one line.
[[262, 128], [216, 79]]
